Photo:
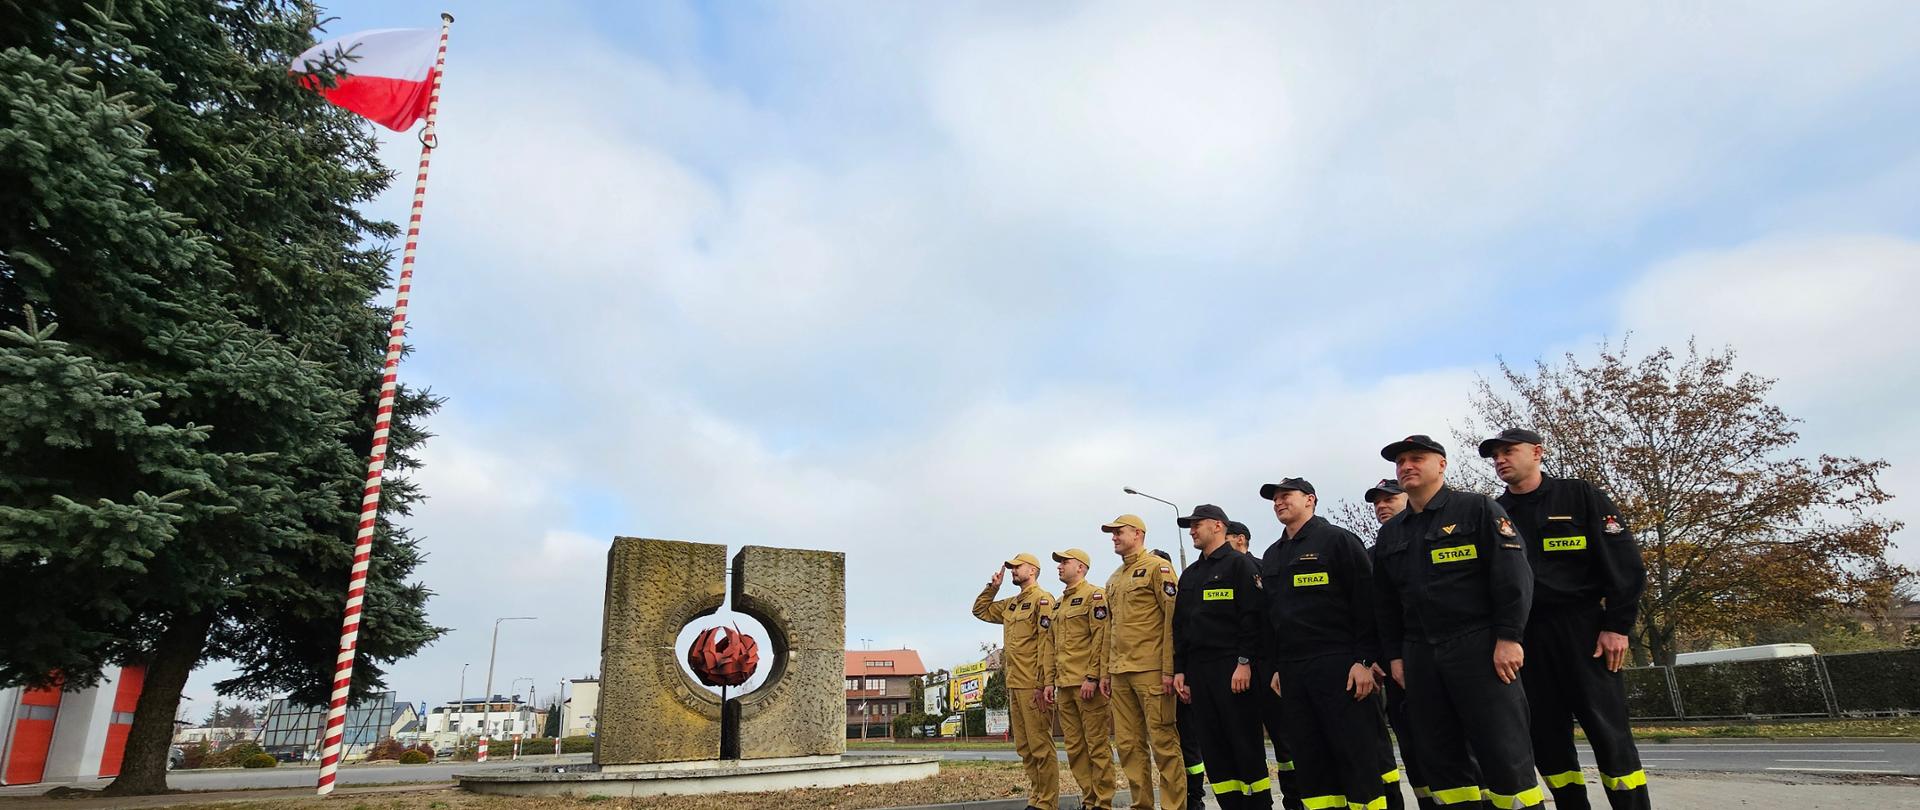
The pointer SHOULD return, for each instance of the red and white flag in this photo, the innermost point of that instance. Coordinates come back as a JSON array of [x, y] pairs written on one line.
[[387, 74]]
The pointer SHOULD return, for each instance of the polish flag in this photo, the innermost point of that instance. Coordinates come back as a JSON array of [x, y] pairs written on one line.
[[386, 75]]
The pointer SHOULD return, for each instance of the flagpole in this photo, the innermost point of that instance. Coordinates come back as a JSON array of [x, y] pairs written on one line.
[[330, 751]]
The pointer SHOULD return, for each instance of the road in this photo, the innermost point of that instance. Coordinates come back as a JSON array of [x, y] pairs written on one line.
[[1762, 757]]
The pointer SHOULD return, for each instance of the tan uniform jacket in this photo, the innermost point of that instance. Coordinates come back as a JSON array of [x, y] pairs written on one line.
[[1140, 596], [1025, 619], [1078, 644]]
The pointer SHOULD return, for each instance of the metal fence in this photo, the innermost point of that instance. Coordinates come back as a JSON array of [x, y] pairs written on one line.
[[1849, 684]]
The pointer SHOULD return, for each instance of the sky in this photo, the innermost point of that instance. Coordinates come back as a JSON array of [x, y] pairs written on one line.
[[928, 284]]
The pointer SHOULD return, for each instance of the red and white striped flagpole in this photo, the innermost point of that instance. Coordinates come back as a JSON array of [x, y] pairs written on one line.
[[377, 458]]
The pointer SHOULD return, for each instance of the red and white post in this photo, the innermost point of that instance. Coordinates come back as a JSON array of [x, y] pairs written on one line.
[[377, 458]]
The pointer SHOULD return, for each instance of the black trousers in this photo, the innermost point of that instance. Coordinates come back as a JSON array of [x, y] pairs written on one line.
[[1229, 726], [1273, 719], [1190, 753], [1564, 683], [1395, 701], [1340, 743], [1458, 705]]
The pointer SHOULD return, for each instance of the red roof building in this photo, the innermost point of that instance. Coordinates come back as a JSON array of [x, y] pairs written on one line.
[[880, 688]]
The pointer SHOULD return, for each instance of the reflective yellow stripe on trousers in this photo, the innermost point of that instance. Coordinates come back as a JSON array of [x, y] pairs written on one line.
[[1376, 804], [1628, 782], [1324, 803], [1531, 797], [1391, 777], [1265, 783], [1230, 786], [1560, 780], [1459, 795]]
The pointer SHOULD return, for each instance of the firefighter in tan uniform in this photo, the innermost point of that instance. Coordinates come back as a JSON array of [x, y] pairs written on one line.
[[1026, 620], [1139, 668], [1078, 647]]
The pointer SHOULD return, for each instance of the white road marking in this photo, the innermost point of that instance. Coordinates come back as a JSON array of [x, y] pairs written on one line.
[[1846, 761], [1833, 770]]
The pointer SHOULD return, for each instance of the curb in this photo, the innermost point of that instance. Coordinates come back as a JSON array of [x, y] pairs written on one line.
[[1122, 799]]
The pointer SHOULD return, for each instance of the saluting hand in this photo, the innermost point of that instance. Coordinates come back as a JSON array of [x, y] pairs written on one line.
[[1613, 647], [1508, 657], [999, 575], [1360, 681]]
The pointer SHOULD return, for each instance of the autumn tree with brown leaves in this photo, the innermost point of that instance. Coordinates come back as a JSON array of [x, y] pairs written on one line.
[[1739, 529]]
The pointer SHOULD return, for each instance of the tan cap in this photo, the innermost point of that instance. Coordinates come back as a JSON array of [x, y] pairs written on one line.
[[1023, 558], [1125, 520], [1073, 554]]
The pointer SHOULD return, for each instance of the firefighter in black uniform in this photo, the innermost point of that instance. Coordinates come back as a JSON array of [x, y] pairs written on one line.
[[1587, 580], [1387, 500], [1189, 743], [1456, 564], [1287, 777], [1319, 586], [1217, 619]]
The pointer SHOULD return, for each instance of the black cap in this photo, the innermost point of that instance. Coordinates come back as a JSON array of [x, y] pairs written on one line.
[[1418, 441], [1509, 436], [1236, 527], [1205, 511], [1300, 485], [1162, 555], [1387, 488]]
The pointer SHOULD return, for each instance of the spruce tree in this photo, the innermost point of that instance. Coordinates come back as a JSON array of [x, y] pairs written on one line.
[[189, 360]]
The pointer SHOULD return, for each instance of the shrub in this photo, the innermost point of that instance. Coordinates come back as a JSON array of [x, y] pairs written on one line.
[[424, 749], [412, 757], [260, 760], [234, 755], [582, 744], [386, 748], [195, 754]]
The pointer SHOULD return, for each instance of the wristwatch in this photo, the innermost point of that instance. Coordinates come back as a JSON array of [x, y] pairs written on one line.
[[1244, 660]]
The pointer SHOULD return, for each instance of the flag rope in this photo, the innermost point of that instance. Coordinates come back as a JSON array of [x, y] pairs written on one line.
[[332, 739]]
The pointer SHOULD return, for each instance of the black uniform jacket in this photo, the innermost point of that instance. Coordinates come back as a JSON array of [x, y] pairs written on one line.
[[1319, 586], [1457, 566], [1220, 609], [1582, 552]]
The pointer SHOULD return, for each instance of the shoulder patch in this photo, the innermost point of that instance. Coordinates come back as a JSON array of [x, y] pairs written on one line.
[[1171, 589], [1165, 570], [1613, 525], [1046, 621], [1100, 612], [1045, 601], [1505, 527], [1097, 596]]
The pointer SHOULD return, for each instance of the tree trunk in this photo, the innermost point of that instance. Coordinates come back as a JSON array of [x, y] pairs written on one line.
[[143, 768], [1660, 643]]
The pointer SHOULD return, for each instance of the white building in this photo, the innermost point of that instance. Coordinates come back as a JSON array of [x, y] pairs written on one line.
[[504, 716], [579, 710]]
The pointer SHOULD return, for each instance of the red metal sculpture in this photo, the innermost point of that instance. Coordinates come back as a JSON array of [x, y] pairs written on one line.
[[719, 658]]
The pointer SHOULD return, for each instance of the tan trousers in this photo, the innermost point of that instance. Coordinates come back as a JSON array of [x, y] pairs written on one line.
[[1089, 754], [1033, 738], [1143, 722]]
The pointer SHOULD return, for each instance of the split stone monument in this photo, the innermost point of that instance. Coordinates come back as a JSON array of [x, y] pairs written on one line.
[[661, 732]]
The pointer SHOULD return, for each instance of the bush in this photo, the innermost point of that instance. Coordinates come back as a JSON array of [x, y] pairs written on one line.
[[582, 744], [260, 760], [234, 756], [386, 748], [412, 757], [424, 749], [195, 755]]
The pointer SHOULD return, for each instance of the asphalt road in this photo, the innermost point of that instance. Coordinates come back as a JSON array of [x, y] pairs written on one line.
[[1763, 757], [1775, 757]]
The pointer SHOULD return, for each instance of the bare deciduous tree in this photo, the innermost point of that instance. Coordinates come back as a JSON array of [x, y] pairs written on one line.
[[1737, 528]]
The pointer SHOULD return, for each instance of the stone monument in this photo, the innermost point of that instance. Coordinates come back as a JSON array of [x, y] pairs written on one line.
[[661, 732]]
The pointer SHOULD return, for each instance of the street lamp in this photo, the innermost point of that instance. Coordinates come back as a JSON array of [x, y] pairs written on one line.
[[1181, 547], [487, 705], [460, 701]]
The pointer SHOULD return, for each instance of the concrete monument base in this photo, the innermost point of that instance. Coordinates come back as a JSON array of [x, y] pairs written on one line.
[[709, 776]]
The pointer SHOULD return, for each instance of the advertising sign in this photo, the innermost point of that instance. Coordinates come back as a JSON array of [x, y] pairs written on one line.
[[997, 721]]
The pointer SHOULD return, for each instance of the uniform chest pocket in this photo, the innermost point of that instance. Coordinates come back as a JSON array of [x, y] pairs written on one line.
[[1451, 546], [1561, 534]]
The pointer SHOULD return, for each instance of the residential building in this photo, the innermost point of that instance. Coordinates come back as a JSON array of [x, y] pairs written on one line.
[[504, 717], [578, 711], [47, 735], [880, 685]]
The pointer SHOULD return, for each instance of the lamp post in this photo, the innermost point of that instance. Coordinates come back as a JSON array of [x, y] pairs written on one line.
[[1181, 547], [487, 700], [459, 700], [528, 710]]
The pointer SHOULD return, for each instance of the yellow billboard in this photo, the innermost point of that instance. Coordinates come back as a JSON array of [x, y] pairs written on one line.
[[967, 686]]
